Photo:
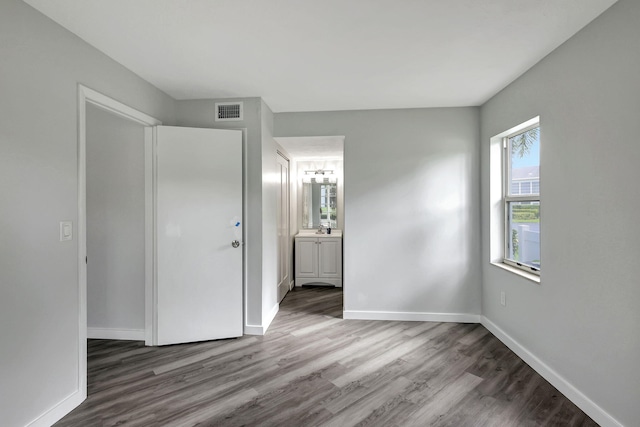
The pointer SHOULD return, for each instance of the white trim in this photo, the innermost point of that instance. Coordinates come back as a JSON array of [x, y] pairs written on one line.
[[598, 414], [245, 231], [56, 413], [272, 315], [520, 272], [262, 329], [411, 316], [254, 330], [82, 247], [149, 248], [119, 109], [525, 268], [151, 298], [87, 95], [116, 334], [531, 123]]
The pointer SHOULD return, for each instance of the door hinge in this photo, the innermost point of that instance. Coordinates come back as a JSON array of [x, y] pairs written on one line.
[[86, 260]]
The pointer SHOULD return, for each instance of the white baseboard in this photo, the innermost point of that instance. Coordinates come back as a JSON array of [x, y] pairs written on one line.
[[411, 316], [254, 330], [116, 334], [598, 414], [262, 329], [56, 413], [272, 315]]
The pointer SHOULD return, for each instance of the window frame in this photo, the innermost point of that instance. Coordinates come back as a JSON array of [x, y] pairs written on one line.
[[507, 199]]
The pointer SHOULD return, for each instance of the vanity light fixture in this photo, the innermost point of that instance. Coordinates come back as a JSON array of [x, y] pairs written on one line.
[[319, 176]]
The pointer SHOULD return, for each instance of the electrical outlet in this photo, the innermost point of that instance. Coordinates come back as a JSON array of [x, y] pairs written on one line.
[[503, 298]]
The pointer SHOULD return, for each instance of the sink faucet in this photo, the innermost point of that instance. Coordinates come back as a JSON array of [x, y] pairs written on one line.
[[321, 229]]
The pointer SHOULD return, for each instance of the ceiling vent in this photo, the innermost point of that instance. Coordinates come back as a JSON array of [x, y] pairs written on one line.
[[228, 111]]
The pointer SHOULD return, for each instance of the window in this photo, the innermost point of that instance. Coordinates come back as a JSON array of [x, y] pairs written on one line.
[[521, 199]]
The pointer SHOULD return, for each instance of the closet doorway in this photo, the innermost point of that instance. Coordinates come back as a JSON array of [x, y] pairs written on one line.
[[115, 226]]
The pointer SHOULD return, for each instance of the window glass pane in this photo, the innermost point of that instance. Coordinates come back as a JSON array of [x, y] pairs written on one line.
[[523, 241], [323, 202], [524, 154], [515, 188], [535, 187]]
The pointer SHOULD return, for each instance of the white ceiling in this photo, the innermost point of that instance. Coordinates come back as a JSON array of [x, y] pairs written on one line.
[[313, 55], [313, 147]]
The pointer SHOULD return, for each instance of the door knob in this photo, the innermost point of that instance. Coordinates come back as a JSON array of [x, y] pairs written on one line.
[[235, 243]]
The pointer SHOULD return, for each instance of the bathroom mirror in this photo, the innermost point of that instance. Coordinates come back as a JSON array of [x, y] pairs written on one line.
[[319, 204]]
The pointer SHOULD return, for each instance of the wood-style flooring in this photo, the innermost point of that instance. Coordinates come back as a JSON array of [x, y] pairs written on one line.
[[313, 368]]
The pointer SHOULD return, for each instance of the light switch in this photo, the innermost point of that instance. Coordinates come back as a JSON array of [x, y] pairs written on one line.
[[66, 230]]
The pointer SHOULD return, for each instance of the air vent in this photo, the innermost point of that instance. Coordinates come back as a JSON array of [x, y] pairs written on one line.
[[228, 111]]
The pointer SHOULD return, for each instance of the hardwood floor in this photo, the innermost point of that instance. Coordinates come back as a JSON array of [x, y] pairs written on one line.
[[314, 369]]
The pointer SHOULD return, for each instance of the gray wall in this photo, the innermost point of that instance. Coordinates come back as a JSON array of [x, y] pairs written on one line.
[[115, 222], [411, 206], [270, 185], [582, 320], [41, 66]]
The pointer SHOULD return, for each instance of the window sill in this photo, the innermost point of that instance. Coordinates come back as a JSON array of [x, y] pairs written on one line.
[[533, 277]]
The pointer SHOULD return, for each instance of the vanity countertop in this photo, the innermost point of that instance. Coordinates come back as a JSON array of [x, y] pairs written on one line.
[[313, 233]]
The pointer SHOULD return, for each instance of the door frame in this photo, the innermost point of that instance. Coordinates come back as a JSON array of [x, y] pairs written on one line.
[[287, 231], [86, 96]]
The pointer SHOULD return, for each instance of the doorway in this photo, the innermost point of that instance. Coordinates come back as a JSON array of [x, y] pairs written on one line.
[[115, 226], [130, 260], [87, 96], [315, 159]]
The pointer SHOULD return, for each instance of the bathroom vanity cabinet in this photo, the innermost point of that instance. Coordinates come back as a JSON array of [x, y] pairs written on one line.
[[318, 259]]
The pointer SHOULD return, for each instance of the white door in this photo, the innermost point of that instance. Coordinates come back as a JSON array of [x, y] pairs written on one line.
[[283, 227], [198, 234]]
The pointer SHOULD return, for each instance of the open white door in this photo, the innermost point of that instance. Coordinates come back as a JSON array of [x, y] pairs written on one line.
[[198, 234]]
